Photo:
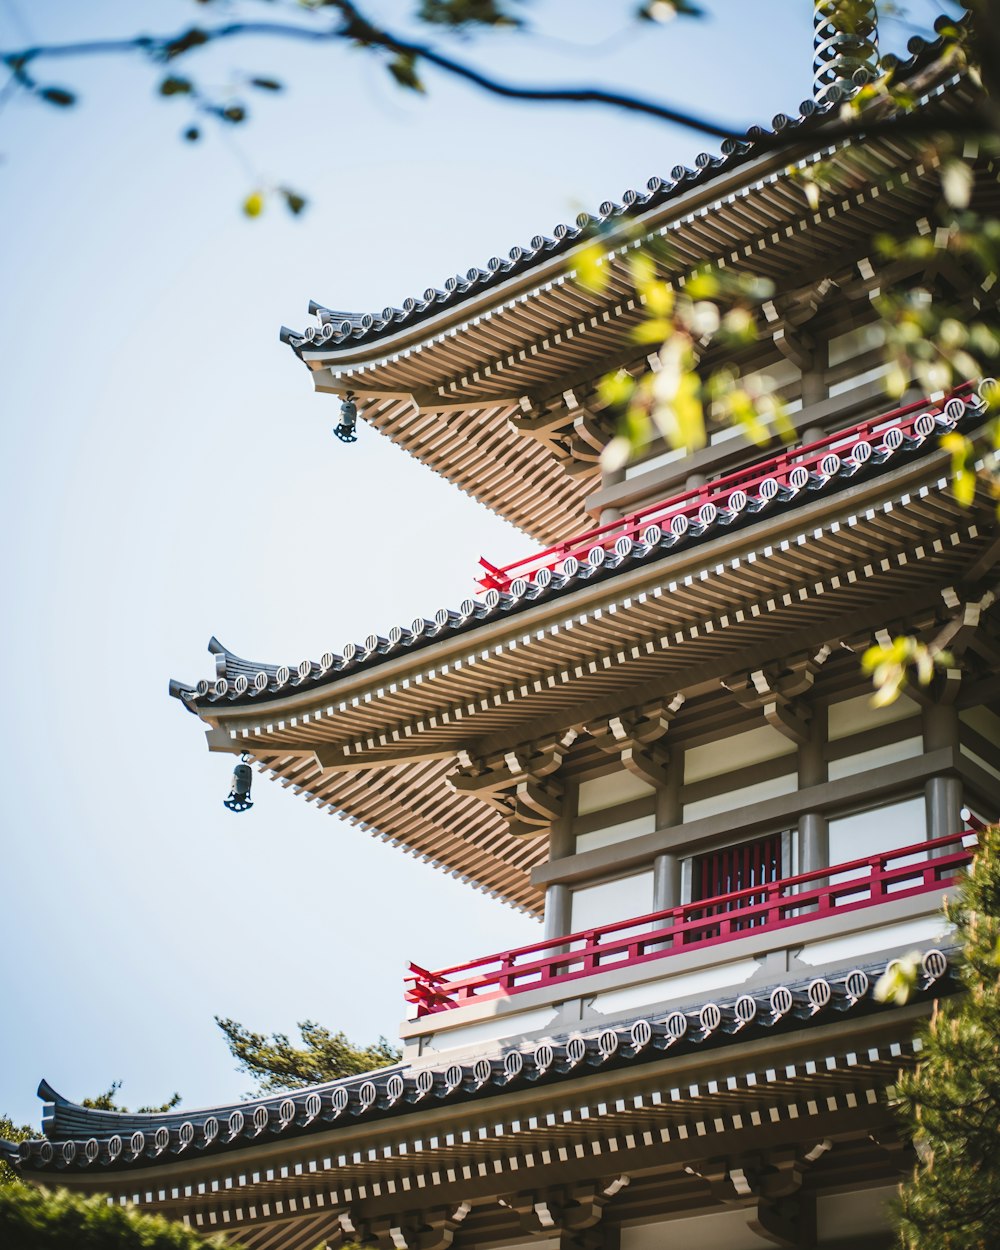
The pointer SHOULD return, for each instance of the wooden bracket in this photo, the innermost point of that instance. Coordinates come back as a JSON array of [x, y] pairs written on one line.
[[635, 736], [520, 783], [778, 690]]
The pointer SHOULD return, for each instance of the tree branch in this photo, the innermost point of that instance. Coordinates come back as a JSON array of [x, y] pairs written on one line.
[[357, 29]]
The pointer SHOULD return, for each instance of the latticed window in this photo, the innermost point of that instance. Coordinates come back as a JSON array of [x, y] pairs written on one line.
[[737, 868]]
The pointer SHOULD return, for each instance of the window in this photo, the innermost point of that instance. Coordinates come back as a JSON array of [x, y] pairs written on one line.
[[736, 868]]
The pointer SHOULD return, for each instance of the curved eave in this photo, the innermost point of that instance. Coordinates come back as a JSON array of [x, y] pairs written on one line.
[[244, 685], [88, 1148], [380, 746]]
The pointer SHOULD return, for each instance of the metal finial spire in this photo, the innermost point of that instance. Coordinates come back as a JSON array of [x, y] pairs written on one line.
[[845, 44]]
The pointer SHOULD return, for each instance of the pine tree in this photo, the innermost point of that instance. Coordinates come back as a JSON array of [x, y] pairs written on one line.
[[39, 1219], [276, 1064], [952, 1101]]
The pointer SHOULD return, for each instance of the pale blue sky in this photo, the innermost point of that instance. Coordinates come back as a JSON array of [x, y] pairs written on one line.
[[167, 473]]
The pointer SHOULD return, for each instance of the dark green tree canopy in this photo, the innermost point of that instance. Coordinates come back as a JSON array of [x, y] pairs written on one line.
[[38, 1219], [9, 1131], [276, 1064], [951, 1103]]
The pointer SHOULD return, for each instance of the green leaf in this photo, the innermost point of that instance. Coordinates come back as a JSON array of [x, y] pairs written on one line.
[[267, 84], [293, 200], [458, 14], [667, 10], [899, 981], [615, 390], [58, 96], [655, 330], [193, 38], [172, 85], [403, 69], [704, 285], [234, 113], [590, 270]]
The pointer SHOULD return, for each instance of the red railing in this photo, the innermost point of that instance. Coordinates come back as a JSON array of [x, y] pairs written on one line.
[[733, 492], [835, 890]]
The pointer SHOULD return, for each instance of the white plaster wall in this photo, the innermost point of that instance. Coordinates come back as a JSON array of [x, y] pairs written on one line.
[[684, 985], [616, 833], [621, 899], [492, 1030], [838, 1216], [604, 792], [719, 1230], [892, 753], [753, 746], [853, 1214], [913, 933], [731, 799], [547, 1244], [854, 716], [856, 342], [880, 829]]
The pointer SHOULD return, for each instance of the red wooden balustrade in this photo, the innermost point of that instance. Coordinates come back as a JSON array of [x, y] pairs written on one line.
[[832, 891], [854, 441]]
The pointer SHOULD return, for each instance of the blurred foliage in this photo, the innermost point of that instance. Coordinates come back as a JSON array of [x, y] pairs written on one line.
[[39, 1219], [673, 401], [950, 1105], [889, 666], [276, 1064], [9, 1131]]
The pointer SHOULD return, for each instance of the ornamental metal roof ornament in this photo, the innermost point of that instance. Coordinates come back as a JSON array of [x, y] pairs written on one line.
[[845, 43]]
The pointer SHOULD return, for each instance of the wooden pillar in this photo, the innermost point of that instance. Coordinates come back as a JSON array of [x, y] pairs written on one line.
[[813, 830], [814, 388], [942, 794], [611, 477], [562, 843], [667, 867]]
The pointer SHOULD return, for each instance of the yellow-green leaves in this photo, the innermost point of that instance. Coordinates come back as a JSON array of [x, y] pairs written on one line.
[[256, 201], [963, 474], [616, 389], [956, 182], [706, 284], [590, 270], [670, 401], [888, 664], [899, 981]]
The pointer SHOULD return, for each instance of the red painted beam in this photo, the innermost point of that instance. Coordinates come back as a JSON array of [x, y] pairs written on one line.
[[731, 492], [626, 943]]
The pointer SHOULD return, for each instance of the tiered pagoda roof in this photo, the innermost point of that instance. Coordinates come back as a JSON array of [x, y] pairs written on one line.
[[483, 379], [800, 1018], [491, 382], [375, 731]]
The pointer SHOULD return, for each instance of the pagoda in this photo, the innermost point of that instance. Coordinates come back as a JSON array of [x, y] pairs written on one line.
[[654, 735]]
